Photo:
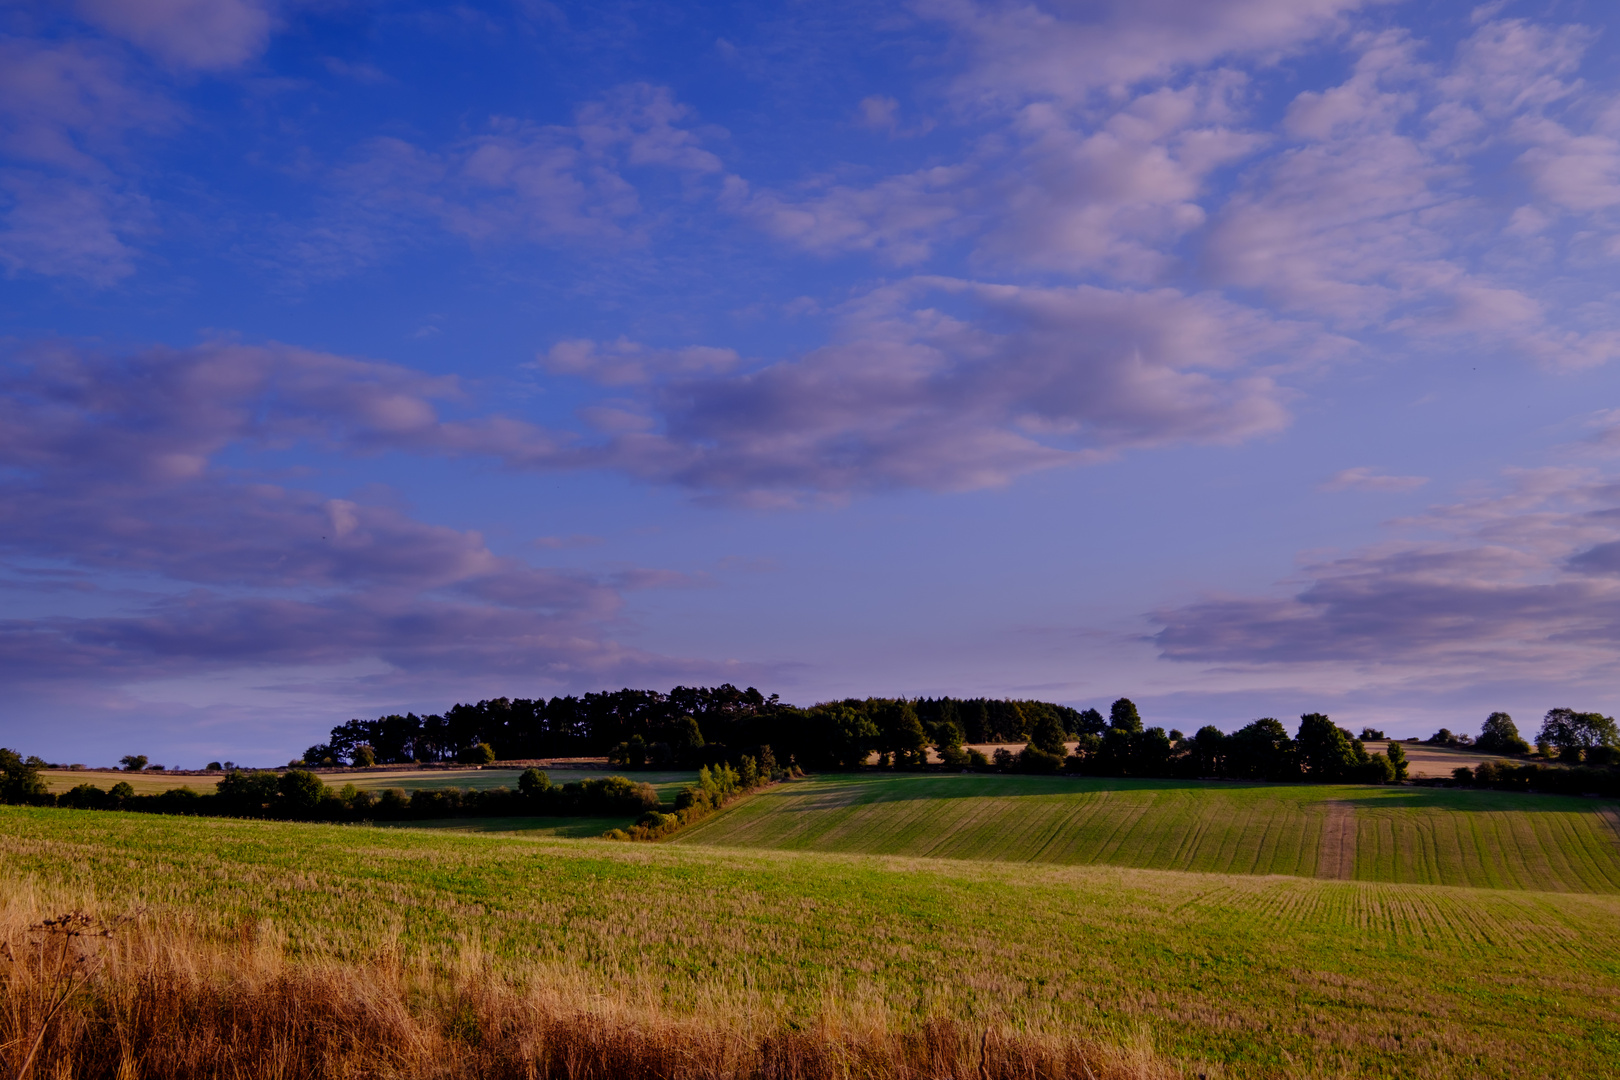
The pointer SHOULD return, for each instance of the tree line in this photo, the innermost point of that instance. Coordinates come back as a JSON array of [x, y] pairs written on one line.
[[685, 728]]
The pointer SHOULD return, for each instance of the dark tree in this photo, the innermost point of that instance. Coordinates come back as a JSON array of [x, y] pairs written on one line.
[[133, 762], [1261, 750], [1150, 752], [1122, 714], [20, 781], [1396, 755], [1048, 736], [1206, 751], [1326, 753], [1501, 736], [1572, 732], [948, 744], [900, 732], [1091, 723]]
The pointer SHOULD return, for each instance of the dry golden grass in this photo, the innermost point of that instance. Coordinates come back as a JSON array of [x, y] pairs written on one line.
[[141, 996]]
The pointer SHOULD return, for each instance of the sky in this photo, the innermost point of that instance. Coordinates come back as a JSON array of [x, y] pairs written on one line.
[[1243, 357]]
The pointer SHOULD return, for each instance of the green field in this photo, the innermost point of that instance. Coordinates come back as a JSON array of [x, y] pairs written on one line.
[[1234, 975], [1434, 836]]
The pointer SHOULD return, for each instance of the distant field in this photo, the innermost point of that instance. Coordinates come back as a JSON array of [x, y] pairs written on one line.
[[668, 784], [144, 783], [1430, 761], [1231, 975], [1431, 836]]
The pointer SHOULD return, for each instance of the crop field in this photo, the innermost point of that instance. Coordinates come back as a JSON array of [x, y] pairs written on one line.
[[144, 783], [1223, 974], [1435, 836], [667, 783], [1439, 761]]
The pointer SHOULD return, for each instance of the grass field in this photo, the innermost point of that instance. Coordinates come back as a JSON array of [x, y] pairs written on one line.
[[1228, 974], [1435, 836]]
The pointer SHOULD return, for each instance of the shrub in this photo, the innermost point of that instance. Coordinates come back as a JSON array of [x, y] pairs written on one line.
[[300, 791], [1036, 760], [1463, 776], [213, 766], [364, 757], [247, 792], [1003, 759], [1377, 769], [977, 760], [133, 762], [84, 797], [480, 754]]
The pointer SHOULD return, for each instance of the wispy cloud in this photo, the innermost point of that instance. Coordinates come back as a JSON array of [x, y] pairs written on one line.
[[1365, 478], [1516, 584]]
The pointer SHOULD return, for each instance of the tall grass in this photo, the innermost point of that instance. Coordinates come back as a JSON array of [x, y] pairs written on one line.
[[153, 998]]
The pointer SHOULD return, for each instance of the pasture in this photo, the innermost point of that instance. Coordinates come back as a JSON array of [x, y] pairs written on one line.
[[1434, 836], [1224, 974]]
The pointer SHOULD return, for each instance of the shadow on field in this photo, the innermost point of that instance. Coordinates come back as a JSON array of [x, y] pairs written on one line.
[[1464, 800]]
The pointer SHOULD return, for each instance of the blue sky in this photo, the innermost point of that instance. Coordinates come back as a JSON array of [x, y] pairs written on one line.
[[1245, 357]]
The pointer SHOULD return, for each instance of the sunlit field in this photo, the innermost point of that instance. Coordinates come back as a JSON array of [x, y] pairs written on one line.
[[1434, 836], [1228, 974], [667, 783]]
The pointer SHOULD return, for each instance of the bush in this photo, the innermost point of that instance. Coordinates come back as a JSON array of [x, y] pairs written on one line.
[[1377, 769], [84, 797], [364, 757], [1039, 761], [977, 760], [481, 754], [300, 791], [1003, 759], [247, 792], [393, 803], [133, 762]]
